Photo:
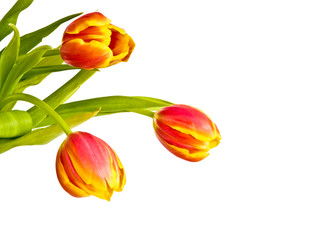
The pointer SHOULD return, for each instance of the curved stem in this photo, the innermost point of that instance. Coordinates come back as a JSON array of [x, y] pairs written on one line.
[[144, 112], [40, 104], [61, 95]]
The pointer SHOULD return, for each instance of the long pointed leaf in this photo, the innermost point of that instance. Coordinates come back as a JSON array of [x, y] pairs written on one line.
[[47, 69], [34, 79], [32, 39], [61, 95], [11, 17], [21, 67], [25, 83], [110, 105], [9, 56]]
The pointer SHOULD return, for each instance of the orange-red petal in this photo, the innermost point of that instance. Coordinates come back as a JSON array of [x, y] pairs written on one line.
[[186, 131], [92, 42], [86, 55], [64, 180], [85, 21], [86, 166]]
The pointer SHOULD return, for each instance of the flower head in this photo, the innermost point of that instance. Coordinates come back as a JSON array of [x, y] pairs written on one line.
[[91, 41], [86, 165], [186, 132]]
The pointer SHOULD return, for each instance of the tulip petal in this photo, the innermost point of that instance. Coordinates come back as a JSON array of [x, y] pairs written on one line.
[[186, 132], [118, 179], [76, 180], [70, 170], [87, 20], [67, 185], [188, 120], [179, 139], [86, 55], [108, 44], [87, 163], [121, 44], [122, 177], [131, 48], [184, 153], [101, 34], [97, 165]]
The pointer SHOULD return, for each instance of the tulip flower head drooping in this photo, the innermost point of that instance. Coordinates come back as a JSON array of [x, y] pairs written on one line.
[[91, 41], [186, 132], [86, 165]]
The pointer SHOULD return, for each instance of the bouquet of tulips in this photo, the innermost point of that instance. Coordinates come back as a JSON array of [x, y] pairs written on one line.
[[85, 164]]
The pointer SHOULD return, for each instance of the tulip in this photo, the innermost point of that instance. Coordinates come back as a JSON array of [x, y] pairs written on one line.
[[186, 132], [86, 165], [91, 41]]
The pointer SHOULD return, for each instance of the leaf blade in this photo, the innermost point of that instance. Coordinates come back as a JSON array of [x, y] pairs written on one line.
[[32, 39], [44, 135], [110, 105], [26, 82], [11, 17], [9, 55], [21, 67], [113, 104], [47, 69], [61, 94]]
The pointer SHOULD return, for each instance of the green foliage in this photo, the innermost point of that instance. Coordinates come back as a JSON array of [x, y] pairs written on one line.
[[23, 65], [32, 39], [9, 56], [44, 135], [47, 69], [14, 124], [61, 95], [11, 17], [110, 105], [39, 72]]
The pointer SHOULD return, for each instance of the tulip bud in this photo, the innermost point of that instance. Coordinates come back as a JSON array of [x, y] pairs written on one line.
[[86, 165], [92, 42], [186, 132]]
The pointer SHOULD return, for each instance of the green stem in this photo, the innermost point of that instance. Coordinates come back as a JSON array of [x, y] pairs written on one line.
[[52, 52], [144, 112], [61, 95], [40, 104]]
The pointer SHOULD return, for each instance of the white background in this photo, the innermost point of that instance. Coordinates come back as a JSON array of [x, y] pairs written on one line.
[[247, 64]]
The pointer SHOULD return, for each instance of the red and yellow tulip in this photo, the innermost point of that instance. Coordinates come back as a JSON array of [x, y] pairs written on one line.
[[91, 41], [86, 165], [186, 132]]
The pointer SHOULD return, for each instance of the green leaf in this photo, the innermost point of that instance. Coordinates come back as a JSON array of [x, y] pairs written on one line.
[[52, 52], [61, 95], [11, 17], [5, 140], [23, 65], [110, 105], [154, 100], [32, 39], [47, 69], [44, 135], [25, 83], [33, 79], [14, 123], [11, 105], [9, 56]]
